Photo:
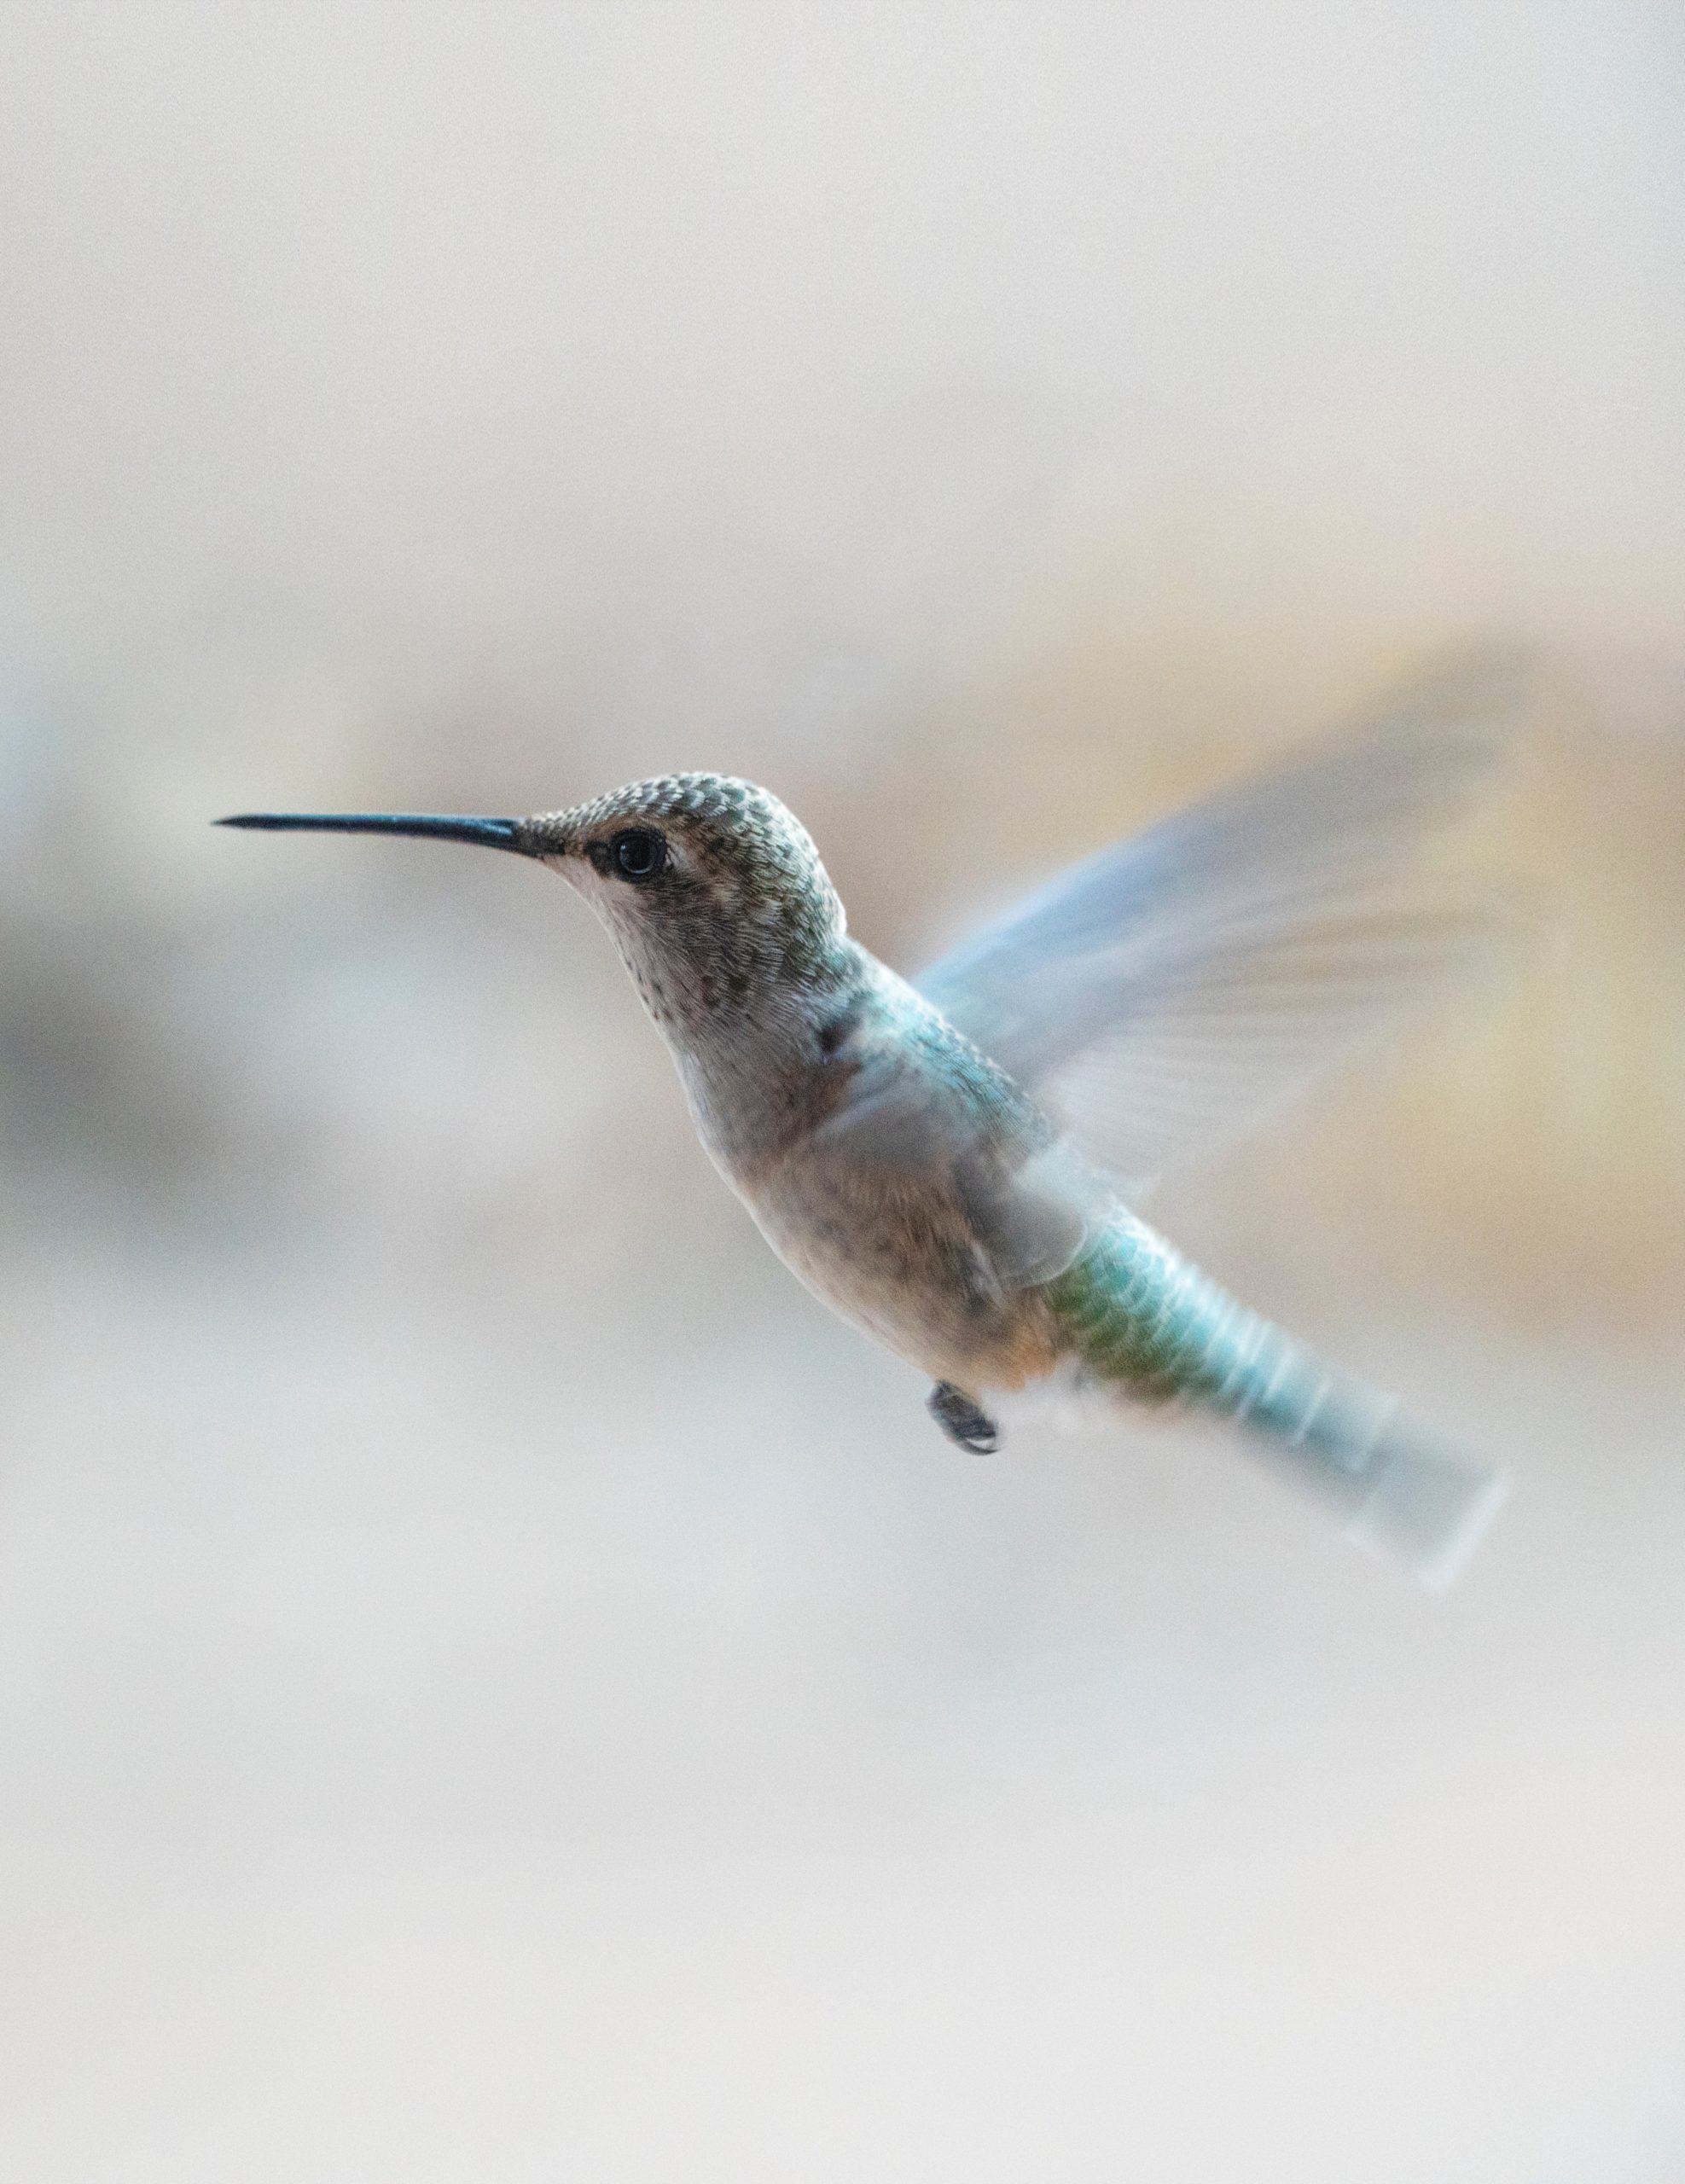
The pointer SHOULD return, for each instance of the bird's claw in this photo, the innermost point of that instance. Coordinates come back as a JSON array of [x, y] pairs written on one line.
[[961, 1420]]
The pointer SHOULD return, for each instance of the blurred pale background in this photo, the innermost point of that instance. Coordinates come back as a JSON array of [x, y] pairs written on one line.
[[493, 1680]]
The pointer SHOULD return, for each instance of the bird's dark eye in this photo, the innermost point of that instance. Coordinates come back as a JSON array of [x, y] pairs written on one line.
[[636, 853]]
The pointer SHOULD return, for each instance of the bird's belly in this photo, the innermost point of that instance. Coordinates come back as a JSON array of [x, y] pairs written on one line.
[[899, 1261]]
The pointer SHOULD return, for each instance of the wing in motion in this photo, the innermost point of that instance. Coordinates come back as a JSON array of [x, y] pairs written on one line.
[[1164, 994]]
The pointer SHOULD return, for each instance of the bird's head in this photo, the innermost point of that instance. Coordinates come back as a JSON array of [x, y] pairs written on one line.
[[712, 888]]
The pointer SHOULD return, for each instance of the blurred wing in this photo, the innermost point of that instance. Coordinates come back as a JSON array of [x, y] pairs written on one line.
[[1165, 993], [1216, 1039]]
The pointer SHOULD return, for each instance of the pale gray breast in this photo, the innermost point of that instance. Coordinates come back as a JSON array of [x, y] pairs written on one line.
[[895, 1170], [918, 1197], [896, 1255]]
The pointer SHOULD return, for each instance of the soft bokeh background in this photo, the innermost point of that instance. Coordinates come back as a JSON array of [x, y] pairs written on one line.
[[493, 1680]]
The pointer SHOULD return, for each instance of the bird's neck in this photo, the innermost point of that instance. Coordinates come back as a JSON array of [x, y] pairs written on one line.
[[755, 1070]]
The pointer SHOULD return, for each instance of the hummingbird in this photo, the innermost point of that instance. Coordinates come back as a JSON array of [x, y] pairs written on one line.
[[956, 1163]]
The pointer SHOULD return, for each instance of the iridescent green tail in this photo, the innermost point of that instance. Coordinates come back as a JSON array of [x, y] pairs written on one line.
[[1144, 1322]]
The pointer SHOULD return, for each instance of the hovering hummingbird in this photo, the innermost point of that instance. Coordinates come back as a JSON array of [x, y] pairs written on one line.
[[954, 1163]]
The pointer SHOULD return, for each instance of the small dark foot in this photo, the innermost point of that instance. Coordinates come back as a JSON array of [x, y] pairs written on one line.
[[960, 1419]]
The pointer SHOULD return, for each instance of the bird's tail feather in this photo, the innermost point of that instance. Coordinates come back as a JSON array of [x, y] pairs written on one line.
[[1402, 1493], [1145, 1324]]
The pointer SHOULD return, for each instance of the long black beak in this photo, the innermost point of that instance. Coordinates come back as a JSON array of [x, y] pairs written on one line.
[[490, 834]]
